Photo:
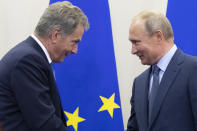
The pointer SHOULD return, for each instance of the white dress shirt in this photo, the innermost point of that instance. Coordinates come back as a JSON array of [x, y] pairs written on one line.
[[43, 48]]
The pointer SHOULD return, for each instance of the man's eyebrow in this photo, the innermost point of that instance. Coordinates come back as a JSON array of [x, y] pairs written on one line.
[[134, 41], [77, 40]]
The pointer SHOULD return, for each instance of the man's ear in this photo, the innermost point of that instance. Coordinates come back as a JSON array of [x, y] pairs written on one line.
[[159, 35], [55, 35]]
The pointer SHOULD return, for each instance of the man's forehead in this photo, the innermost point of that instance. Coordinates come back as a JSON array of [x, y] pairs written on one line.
[[137, 23]]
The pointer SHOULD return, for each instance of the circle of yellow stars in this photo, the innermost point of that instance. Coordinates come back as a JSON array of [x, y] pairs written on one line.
[[108, 105]]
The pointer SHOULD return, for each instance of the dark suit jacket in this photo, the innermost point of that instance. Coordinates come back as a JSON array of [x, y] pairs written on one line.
[[175, 108], [29, 99]]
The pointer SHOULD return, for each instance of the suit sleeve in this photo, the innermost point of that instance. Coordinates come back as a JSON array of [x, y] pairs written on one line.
[[193, 92], [30, 83], [132, 122]]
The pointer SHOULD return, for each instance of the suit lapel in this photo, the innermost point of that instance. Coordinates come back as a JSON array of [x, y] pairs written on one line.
[[36, 46], [146, 92], [169, 77], [54, 91], [143, 104], [55, 97]]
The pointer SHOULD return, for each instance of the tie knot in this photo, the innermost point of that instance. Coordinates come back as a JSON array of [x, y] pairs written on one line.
[[155, 69]]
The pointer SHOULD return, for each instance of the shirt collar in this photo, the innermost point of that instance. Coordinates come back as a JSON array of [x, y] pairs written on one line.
[[43, 48], [165, 60]]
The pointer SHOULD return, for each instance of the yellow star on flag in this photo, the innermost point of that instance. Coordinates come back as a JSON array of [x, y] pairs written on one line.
[[109, 105], [74, 119]]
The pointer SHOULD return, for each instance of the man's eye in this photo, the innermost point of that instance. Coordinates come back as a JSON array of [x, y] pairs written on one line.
[[135, 41], [76, 41]]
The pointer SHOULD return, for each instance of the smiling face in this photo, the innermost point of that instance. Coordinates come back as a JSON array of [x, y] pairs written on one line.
[[65, 45], [145, 46]]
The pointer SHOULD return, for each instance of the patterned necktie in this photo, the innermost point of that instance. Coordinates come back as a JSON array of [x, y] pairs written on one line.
[[154, 90]]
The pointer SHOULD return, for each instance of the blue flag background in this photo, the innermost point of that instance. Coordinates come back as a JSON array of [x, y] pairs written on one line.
[[87, 81], [183, 17]]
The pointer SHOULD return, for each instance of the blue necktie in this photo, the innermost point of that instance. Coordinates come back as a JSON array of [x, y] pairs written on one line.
[[154, 90]]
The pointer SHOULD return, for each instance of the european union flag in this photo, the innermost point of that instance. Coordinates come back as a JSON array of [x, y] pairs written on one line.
[[87, 81], [183, 17]]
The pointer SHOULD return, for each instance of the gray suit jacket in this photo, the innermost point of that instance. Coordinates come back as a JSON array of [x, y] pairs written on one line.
[[175, 108]]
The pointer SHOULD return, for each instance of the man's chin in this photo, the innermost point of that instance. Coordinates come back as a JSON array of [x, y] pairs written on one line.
[[143, 62], [59, 60]]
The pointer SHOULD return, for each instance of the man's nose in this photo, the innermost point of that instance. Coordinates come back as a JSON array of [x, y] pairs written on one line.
[[133, 49], [75, 49]]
